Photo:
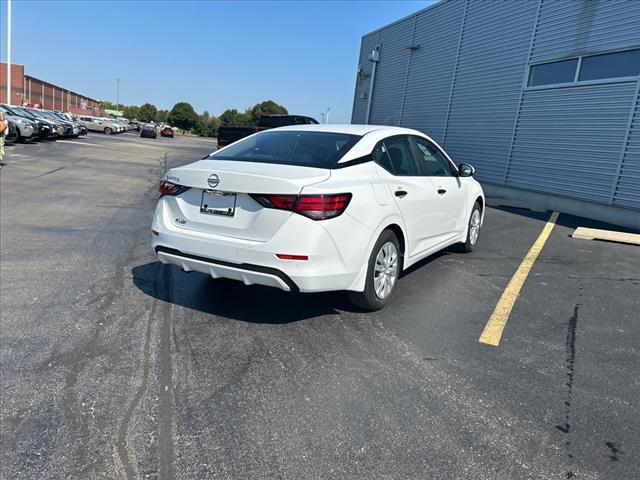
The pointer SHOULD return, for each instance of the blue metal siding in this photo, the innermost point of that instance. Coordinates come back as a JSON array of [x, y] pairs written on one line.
[[568, 140], [486, 92], [570, 28], [627, 189], [437, 31], [369, 42], [391, 73], [465, 86]]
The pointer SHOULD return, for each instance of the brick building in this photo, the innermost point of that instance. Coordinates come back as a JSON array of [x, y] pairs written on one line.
[[26, 89]]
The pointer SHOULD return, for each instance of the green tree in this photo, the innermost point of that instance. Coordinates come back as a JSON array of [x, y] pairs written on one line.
[[147, 113], [233, 118], [183, 116], [107, 105], [207, 125], [268, 107], [131, 112], [161, 116]]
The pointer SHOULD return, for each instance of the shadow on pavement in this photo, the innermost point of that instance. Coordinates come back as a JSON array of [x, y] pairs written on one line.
[[232, 299], [565, 219]]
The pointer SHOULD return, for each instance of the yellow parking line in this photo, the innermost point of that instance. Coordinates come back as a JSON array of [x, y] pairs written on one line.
[[494, 327]]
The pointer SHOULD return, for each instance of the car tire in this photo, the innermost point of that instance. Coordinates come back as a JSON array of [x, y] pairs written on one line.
[[382, 274], [108, 131], [473, 230]]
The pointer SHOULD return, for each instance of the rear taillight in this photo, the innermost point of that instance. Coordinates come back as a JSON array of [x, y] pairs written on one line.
[[316, 207], [288, 256], [168, 188]]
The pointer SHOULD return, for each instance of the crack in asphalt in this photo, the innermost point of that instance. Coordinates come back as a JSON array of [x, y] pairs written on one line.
[[614, 450], [165, 429], [570, 349], [125, 453], [121, 442], [50, 172]]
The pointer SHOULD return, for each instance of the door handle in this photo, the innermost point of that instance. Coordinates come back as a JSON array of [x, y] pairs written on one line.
[[400, 193], [441, 191]]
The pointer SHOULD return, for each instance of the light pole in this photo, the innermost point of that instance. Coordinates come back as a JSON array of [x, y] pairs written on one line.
[[117, 95], [9, 52], [326, 117]]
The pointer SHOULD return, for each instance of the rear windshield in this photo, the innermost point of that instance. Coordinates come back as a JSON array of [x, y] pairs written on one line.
[[307, 149]]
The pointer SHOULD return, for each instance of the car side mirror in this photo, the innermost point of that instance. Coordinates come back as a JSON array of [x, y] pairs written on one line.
[[466, 170]]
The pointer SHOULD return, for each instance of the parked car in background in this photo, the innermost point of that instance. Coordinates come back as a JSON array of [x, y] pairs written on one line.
[[125, 126], [26, 128], [316, 208], [148, 131], [47, 129], [72, 129], [80, 128], [166, 131], [135, 125], [65, 129], [228, 135], [94, 124], [12, 134], [115, 127]]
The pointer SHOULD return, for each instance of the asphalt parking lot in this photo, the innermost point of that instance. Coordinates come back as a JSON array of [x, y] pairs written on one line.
[[116, 366]]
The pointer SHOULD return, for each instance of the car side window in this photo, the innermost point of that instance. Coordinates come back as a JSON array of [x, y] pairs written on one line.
[[401, 156], [381, 157], [431, 162]]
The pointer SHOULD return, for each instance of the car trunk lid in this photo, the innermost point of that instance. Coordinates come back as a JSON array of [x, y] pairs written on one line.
[[219, 199]]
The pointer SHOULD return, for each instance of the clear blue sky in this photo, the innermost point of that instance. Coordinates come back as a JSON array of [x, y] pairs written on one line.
[[214, 55]]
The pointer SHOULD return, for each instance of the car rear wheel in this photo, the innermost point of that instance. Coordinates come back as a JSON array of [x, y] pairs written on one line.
[[382, 274], [473, 230], [108, 131]]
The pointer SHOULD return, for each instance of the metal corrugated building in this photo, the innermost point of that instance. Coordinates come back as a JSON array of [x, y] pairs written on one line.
[[540, 96]]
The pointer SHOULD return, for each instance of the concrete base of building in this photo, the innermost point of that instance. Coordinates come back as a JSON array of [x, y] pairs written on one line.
[[511, 197]]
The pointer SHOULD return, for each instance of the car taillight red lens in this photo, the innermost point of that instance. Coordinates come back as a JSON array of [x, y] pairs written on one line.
[[288, 256], [316, 207], [282, 202], [168, 188], [320, 207]]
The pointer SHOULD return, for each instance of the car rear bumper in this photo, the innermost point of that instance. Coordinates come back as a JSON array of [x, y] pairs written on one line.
[[244, 272], [256, 262]]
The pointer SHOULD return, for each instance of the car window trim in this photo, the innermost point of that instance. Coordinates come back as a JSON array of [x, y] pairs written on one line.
[[411, 148], [354, 161]]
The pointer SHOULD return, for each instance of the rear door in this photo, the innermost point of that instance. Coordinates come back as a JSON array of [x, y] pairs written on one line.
[[451, 205], [414, 194]]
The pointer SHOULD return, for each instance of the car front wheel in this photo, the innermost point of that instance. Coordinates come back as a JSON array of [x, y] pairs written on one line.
[[473, 230], [382, 274], [108, 131]]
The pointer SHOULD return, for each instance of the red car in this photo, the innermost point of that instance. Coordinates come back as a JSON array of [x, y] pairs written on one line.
[[166, 132]]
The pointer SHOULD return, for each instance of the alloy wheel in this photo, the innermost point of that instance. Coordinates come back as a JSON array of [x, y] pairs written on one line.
[[385, 271], [474, 227]]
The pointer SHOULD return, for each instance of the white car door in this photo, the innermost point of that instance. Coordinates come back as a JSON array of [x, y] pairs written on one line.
[[451, 191], [414, 194]]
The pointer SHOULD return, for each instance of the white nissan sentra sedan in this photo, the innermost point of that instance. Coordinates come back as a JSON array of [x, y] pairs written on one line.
[[314, 208]]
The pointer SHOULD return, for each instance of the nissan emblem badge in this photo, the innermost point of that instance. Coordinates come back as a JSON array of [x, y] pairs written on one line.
[[213, 180]]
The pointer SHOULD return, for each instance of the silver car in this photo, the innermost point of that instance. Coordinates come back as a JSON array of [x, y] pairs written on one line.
[[95, 124], [26, 129]]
